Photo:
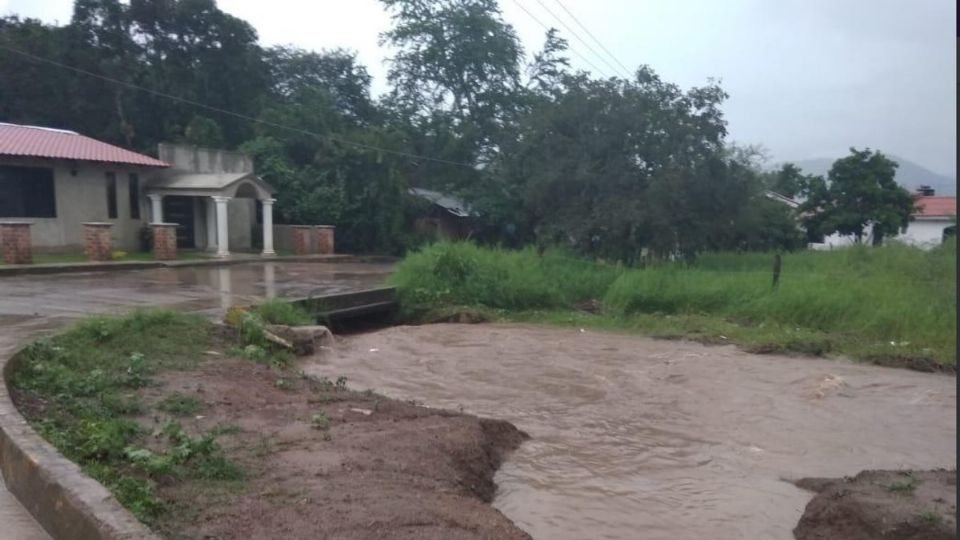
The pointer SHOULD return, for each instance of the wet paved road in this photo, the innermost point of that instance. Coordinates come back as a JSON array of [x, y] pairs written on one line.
[[32, 305]]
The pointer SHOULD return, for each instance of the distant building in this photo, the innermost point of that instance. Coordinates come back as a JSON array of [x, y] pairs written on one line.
[[934, 221], [59, 179], [448, 217]]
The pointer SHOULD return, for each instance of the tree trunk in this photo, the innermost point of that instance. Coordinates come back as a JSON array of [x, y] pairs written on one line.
[[125, 128], [877, 237]]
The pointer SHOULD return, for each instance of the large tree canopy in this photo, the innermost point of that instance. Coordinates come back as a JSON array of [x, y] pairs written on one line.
[[860, 192], [609, 167]]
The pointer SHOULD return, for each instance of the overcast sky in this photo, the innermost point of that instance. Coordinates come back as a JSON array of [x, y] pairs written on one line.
[[806, 78]]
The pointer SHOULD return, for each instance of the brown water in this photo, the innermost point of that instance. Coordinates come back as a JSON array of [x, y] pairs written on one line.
[[638, 438]]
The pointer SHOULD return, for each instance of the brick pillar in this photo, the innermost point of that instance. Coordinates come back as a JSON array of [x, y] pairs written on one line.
[[301, 239], [15, 236], [97, 243], [164, 241], [325, 239]]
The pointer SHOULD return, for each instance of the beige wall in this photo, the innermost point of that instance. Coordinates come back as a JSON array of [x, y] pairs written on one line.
[[195, 159], [82, 197]]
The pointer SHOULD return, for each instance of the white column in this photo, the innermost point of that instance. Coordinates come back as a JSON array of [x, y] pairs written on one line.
[[268, 226], [211, 211], [223, 236], [156, 208]]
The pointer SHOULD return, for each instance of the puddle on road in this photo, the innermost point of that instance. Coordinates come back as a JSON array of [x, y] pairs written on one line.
[[633, 437], [186, 288]]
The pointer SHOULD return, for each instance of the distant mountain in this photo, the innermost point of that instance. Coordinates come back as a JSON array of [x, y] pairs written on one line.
[[909, 174]]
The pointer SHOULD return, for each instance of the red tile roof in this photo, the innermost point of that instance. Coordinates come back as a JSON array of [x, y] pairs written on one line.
[[39, 142], [931, 206]]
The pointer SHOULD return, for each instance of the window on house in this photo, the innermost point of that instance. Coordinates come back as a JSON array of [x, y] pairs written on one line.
[[111, 195], [27, 192], [133, 189]]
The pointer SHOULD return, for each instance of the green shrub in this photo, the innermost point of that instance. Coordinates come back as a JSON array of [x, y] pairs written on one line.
[[275, 311], [460, 273]]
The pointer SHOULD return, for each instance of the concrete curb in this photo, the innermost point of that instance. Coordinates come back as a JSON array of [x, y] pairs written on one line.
[[65, 502], [61, 268]]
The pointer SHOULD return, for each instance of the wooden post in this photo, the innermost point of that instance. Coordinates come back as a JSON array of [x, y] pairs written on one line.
[[776, 271]]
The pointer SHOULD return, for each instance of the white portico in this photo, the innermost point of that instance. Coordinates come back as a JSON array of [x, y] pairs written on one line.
[[215, 198]]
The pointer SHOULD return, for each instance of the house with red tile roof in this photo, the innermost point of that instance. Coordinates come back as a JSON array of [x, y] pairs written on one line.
[[58, 180], [934, 220]]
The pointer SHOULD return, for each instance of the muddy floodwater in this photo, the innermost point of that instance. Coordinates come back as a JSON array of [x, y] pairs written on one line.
[[641, 438]]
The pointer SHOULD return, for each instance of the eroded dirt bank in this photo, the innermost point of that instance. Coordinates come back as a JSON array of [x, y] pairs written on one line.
[[903, 505], [674, 439], [323, 462]]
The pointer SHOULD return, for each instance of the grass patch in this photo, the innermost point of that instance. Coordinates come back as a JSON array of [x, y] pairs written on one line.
[[892, 305], [907, 486], [179, 404], [930, 518], [274, 311], [79, 390]]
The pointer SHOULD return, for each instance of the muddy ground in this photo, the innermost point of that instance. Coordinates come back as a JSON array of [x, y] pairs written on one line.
[[902, 505], [325, 462]]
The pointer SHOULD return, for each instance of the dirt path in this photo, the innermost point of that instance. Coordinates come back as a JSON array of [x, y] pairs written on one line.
[[324, 462], [675, 439]]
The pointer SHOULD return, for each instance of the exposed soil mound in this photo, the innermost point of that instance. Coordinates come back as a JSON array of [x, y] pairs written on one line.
[[915, 505], [325, 462]]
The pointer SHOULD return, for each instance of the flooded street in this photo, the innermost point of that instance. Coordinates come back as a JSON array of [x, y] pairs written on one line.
[[639, 438]]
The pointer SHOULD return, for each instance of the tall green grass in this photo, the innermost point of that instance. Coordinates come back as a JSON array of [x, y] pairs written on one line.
[[449, 273], [890, 301]]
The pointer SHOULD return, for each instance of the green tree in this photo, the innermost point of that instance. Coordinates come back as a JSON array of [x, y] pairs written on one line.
[[861, 192], [787, 180], [454, 78], [337, 72]]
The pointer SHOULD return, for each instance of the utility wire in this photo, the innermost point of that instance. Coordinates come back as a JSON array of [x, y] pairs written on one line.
[[593, 37], [548, 28], [576, 35], [198, 104]]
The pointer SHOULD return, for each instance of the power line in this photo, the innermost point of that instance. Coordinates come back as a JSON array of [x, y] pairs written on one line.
[[576, 35], [228, 112], [548, 28], [593, 37]]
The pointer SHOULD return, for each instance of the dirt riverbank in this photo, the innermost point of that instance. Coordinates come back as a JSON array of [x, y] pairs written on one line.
[[321, 461], [901, 505]]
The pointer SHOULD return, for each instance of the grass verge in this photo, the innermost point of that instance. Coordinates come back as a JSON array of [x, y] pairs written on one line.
[[81, 391], [119, 256], [894, 305]]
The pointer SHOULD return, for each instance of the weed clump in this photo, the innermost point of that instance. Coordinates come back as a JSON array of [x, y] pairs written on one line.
[[274, 311], [78, 390]]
